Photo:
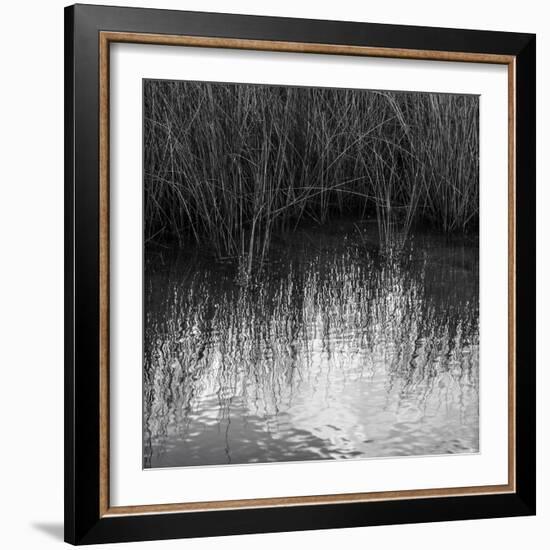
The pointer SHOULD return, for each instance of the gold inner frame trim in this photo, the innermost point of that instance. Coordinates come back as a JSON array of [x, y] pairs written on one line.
[[105, 39]]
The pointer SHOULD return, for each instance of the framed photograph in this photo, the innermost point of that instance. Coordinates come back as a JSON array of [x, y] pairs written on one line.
[[300, 274]]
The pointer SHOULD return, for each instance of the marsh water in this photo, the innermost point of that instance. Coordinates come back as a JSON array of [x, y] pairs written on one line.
[[330, 350]]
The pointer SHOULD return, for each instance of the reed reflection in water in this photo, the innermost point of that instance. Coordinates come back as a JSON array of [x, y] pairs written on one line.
[[330, 352]]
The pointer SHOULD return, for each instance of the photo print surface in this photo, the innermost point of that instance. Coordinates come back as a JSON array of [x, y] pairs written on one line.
[[311, 273]]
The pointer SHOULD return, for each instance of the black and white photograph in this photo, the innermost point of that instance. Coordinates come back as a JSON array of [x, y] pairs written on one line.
[[311, 273]]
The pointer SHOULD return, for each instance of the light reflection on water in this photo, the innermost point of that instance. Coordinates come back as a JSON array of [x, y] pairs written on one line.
[[332, 352]]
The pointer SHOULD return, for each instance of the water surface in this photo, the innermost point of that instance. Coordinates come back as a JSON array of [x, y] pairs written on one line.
[[330, 351]]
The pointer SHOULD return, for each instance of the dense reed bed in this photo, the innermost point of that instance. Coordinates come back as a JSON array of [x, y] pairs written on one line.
[[230, 166]]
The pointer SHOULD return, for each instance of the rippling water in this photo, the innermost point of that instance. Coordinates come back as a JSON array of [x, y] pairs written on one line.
[[330, 352]]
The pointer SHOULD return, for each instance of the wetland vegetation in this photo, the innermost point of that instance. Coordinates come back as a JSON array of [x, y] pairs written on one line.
[[311, 273]]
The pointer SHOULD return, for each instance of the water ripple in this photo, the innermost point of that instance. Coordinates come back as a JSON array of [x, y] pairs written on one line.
[[332, 353]]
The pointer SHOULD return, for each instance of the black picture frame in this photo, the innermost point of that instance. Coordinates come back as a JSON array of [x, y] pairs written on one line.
[[84, 523]]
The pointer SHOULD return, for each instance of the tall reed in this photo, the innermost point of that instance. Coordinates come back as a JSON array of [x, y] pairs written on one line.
[[228, 166]]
